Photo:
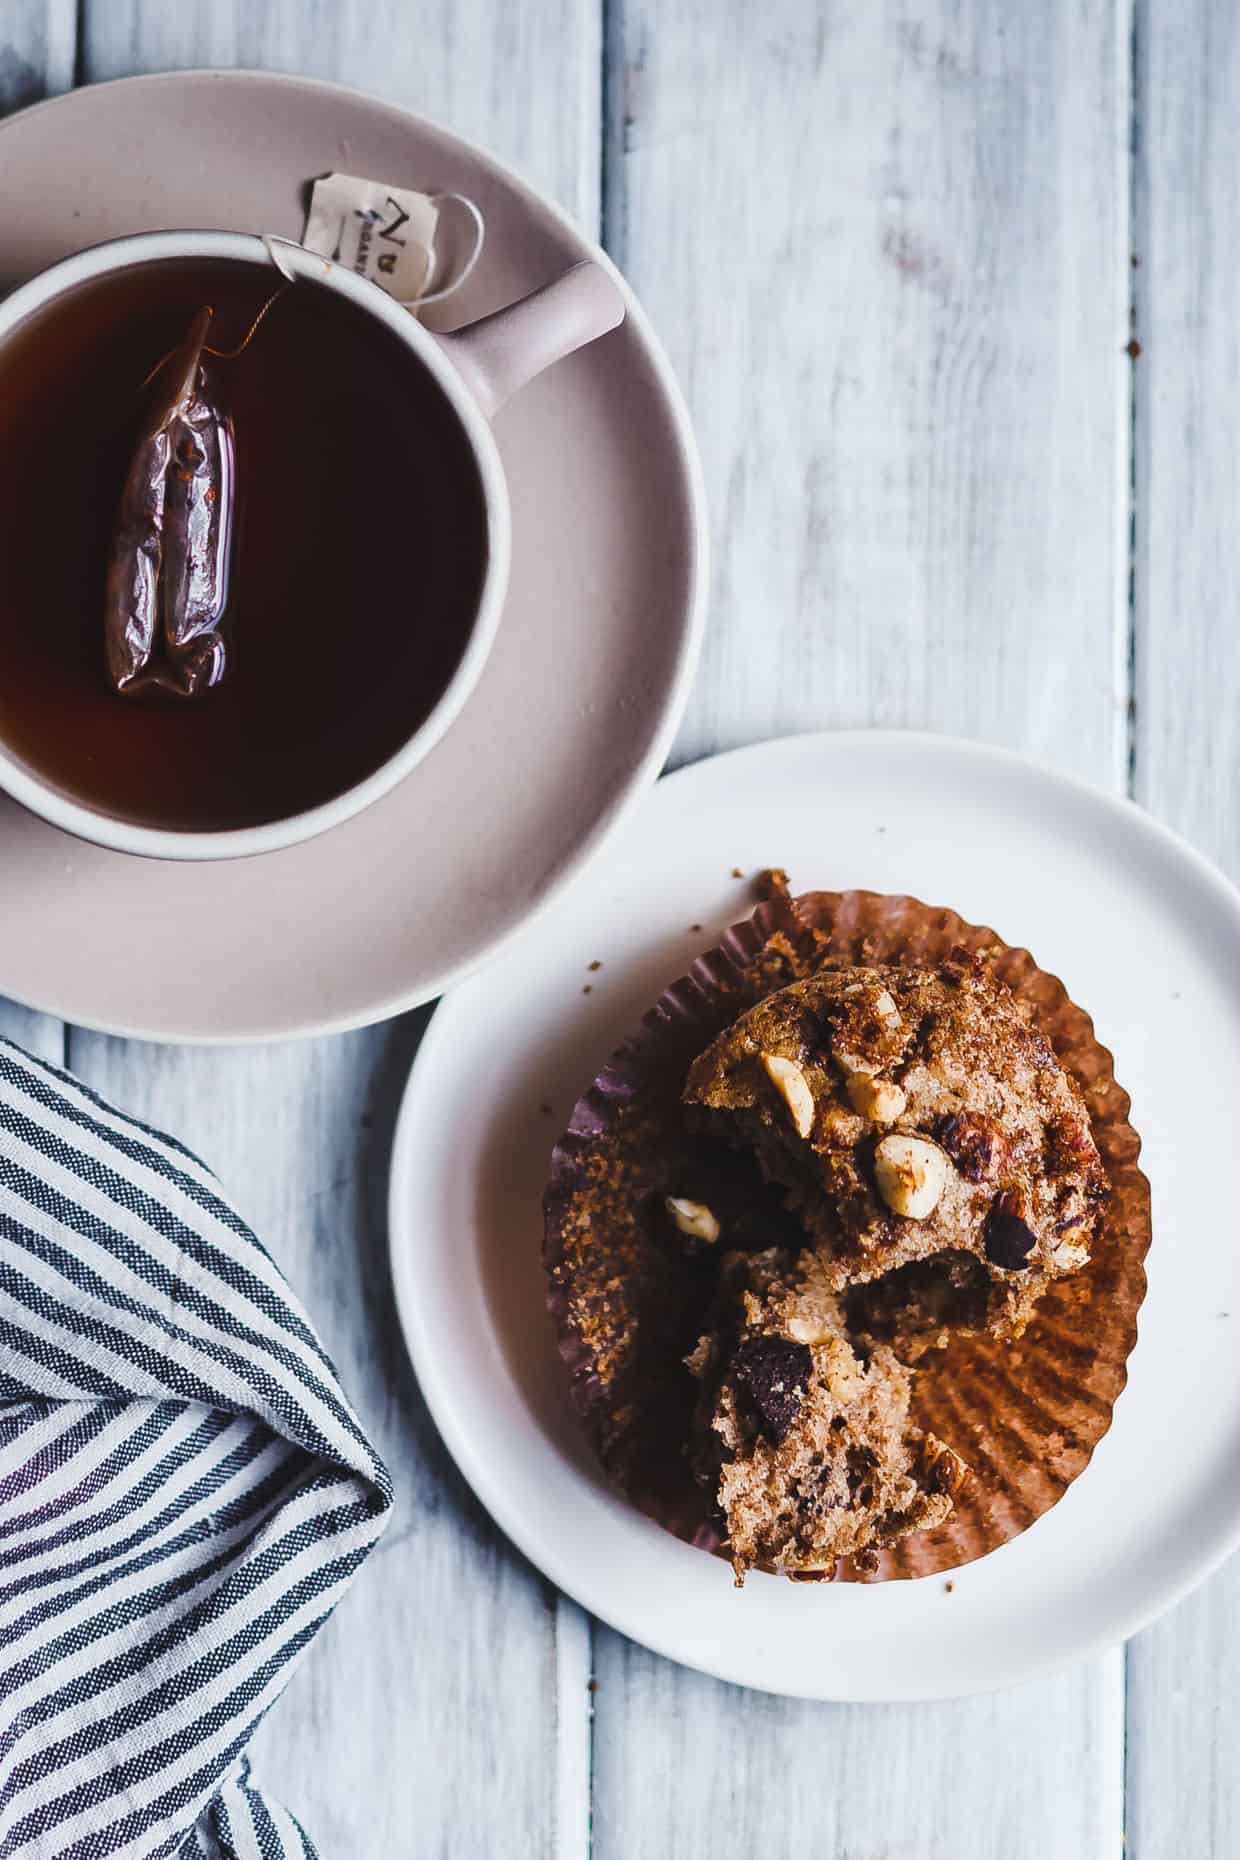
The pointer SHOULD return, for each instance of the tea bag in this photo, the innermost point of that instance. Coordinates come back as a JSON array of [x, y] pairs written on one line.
[[168, 576]]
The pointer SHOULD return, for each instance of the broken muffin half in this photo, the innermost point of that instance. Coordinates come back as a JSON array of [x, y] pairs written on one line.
[[803, 1438], [938, 1157]]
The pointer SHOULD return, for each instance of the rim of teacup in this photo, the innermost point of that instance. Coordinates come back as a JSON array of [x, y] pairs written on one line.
[[77, 817]]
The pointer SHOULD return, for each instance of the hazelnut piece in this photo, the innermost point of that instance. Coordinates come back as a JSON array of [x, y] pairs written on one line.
[[911, 1175], [788, 1078], [886, 1008], [850, 1063], [808, 1330], [693, 1218], [877, 1099]]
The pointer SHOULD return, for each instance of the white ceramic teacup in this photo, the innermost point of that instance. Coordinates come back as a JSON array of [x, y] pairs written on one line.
[[477, 369]]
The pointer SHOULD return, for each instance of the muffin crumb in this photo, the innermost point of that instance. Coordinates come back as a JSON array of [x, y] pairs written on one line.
[[772, 883]]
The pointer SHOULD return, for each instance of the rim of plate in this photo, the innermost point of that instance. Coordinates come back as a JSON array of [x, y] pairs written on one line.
[[594, 840], [474, 1467]]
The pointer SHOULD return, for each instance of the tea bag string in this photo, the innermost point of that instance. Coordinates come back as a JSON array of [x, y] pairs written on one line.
[[226, 355], [230, 355], [273, 241], [454, 283]]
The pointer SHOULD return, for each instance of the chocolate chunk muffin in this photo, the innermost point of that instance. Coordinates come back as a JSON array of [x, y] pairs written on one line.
[[858, 1128], [806, 1445], [937, 1154]]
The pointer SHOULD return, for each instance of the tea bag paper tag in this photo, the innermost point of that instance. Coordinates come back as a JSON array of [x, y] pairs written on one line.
[[386, 234]]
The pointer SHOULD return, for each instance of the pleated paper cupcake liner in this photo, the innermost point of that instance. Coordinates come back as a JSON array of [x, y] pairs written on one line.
[[1025, 1415]]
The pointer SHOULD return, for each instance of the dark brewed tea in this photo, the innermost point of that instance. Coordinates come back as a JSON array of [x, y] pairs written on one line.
[[358, 554]]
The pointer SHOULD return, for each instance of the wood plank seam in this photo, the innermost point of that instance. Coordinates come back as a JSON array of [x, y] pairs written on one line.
[[923, 159], [574, 1657], [1131, 46], [1130, 43]]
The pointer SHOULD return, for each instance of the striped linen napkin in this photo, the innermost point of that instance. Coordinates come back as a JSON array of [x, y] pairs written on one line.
[[185, 1493]]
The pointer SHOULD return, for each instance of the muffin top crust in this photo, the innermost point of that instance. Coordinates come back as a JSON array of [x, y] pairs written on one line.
[[925, 1134]]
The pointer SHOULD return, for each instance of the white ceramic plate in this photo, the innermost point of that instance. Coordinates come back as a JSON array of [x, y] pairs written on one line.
[[580, 697], [1145, 935]]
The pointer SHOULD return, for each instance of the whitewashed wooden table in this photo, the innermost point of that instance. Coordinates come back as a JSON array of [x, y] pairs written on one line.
[[898, 252]]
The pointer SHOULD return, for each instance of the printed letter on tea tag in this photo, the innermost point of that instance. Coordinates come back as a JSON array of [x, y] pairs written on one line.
[[386, 234]]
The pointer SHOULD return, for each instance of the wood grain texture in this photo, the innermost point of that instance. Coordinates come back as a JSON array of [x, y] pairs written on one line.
[[887, 249], [1183, 1786], [38, 1033], [1025, 1775], [882, 244], [38, 40], [1187, 386], [1182, 1795], [37, 46], [430, 1719], [521, 78]]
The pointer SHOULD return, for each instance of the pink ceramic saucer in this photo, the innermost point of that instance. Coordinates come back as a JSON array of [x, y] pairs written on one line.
[[579, 701]]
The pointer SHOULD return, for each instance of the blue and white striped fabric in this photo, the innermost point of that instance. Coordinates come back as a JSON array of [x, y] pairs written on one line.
[[185, 1492]]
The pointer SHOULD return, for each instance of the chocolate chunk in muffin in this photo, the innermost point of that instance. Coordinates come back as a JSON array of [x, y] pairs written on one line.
[[804, 1442], [775, 1374], [936, 1153]]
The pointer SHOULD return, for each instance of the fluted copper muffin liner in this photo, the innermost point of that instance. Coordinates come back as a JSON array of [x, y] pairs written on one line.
[[1025, 1415]]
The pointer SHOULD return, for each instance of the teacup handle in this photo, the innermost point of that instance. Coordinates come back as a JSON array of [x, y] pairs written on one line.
[[499, 353]]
